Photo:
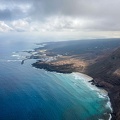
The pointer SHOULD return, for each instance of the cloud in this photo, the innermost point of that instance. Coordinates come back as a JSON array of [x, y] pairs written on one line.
[[20, 25], [104, 14], [60, 15], [79, 8], [4, 27], [62, 23], [5, 14], [40, 9], [11, 10]]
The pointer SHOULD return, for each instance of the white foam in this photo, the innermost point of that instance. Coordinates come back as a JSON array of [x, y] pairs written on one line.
[[109, 104], [110, 117], [102, 94], [85, 79], [82, 76], [13, 60], [16, 55]]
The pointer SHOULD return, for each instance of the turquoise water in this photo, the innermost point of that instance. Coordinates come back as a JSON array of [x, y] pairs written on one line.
[[27, 93]]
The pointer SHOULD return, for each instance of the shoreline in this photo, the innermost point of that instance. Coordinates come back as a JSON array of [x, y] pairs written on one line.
[[89, 80], [102, 93], [100, 67], [53, 68]]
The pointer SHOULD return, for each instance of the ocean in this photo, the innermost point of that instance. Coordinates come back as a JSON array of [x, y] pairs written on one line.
[[28, 93]]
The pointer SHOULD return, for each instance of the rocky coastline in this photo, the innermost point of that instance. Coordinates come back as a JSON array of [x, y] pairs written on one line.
[[69, 69], [102, 63]]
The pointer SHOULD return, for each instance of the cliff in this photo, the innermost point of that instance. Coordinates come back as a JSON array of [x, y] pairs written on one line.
[[106, 74]]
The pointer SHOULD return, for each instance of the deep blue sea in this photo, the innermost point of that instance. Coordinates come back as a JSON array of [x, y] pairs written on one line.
[[27, 93]]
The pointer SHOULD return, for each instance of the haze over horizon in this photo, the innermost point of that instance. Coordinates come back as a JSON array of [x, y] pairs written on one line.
[[60, 19]]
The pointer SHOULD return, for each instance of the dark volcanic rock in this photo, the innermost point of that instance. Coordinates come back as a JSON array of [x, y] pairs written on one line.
[[107, 75], [53, 68]]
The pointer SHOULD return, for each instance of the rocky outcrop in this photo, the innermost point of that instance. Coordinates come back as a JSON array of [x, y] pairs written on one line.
[[54, 68]]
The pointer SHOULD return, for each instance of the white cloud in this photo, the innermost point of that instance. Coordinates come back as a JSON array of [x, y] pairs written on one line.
[[61, 24], [20, 25], [4, 27]]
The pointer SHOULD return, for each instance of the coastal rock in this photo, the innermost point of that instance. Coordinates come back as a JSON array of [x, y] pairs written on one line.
[[104, 69]]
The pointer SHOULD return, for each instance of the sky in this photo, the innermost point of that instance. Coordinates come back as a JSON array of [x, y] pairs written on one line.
[[61, 19]]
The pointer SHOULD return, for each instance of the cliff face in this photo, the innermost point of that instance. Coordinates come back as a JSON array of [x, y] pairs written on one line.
[[106, 73]]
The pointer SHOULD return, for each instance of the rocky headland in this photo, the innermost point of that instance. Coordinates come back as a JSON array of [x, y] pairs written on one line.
[[99, 60]]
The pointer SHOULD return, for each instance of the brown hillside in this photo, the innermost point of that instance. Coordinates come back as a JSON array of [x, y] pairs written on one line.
[[106, 73]]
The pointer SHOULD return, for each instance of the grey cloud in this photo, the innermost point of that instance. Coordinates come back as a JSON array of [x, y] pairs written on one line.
[[85, 8], [13, 9], [79, 8], [5, 14], [103, 13], [9, 15]]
